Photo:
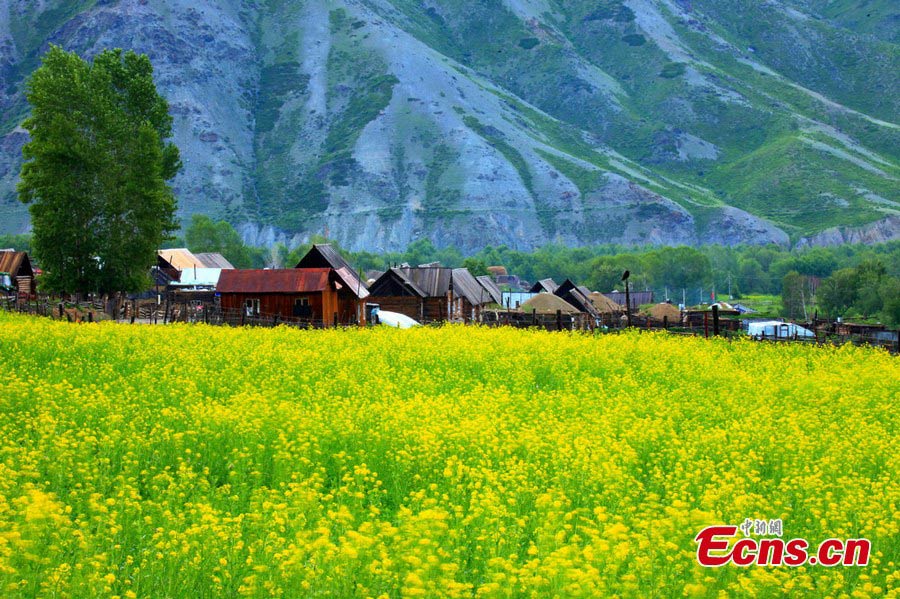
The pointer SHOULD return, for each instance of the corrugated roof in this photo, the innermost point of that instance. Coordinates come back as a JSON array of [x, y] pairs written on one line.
[[181, 258], [467, 286], [284, 280], [11, 262], [352, 281], [548, 285], [433, 282], [491, 287], [322, 255], [213, 260]]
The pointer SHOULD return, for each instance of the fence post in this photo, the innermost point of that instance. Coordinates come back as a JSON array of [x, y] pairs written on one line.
[[91, 316], [559, 320], [715, 311], [706, 325], [666, 321], [335, 320]]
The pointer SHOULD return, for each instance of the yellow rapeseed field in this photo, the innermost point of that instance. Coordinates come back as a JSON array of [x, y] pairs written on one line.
[[194, 461]]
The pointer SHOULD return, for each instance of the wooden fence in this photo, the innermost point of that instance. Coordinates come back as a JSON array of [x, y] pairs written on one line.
[[149, 312]]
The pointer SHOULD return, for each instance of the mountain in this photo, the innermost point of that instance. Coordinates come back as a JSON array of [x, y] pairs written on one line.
[[516, 122]]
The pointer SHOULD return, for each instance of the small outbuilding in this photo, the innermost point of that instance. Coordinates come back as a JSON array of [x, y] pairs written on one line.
[[17, 273]]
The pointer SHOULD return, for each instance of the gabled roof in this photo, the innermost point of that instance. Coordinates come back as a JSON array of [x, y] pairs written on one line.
[[16, 264], [548, 285], [491, 288], [467, 286], [180, 258], [284, 280], [322, 255], [213, 260], [431, 281], [576, 296]]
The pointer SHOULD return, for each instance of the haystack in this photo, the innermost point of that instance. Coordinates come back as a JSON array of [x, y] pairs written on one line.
[[659, 312], [547, 303], [605, 305]]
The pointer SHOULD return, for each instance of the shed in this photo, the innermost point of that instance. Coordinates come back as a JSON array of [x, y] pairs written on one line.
[[490, 287], [17, 273], [544, 286], [577, 296]]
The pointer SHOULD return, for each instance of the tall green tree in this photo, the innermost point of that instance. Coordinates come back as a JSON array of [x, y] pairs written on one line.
[[207, 235], [96, 170]]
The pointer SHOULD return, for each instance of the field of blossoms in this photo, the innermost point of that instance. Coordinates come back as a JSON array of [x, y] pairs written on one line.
[[193, 461]]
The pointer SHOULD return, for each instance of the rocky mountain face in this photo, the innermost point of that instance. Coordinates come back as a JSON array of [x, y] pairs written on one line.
[[517, 122]]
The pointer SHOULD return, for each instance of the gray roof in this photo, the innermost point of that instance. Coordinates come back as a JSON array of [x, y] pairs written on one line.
[[467, 286], [431, 281], [548, 285], [491, 287], [434, 281], [213, 260]]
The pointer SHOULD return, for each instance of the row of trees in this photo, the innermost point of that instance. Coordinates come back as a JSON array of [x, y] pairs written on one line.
[[856, 280]]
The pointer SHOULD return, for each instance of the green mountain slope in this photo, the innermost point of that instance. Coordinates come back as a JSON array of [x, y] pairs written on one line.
[[515, 122]]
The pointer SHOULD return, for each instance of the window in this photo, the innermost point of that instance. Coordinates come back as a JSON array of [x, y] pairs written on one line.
[[251, 307], [302, 308]]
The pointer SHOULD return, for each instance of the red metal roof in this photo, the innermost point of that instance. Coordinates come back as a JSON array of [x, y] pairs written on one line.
[[285, 280]]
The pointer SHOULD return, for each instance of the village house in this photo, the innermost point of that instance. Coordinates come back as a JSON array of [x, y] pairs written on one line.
[[432, 293], [320, 296], [322, 289]]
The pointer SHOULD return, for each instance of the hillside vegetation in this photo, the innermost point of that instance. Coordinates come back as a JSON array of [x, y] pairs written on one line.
[[518, 122]]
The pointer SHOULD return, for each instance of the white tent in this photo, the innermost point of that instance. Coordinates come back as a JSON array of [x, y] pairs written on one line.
[[776, 328], [395, 319]]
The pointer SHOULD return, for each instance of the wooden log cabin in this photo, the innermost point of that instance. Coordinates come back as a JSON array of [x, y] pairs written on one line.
[[430, 293], [320, 296]]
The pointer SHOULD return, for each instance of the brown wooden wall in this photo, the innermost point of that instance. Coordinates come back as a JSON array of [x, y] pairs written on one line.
[[428, 310], [404, 304], [324, 305]]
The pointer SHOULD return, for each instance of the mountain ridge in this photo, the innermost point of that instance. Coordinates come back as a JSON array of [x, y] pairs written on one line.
[[519, 122]]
